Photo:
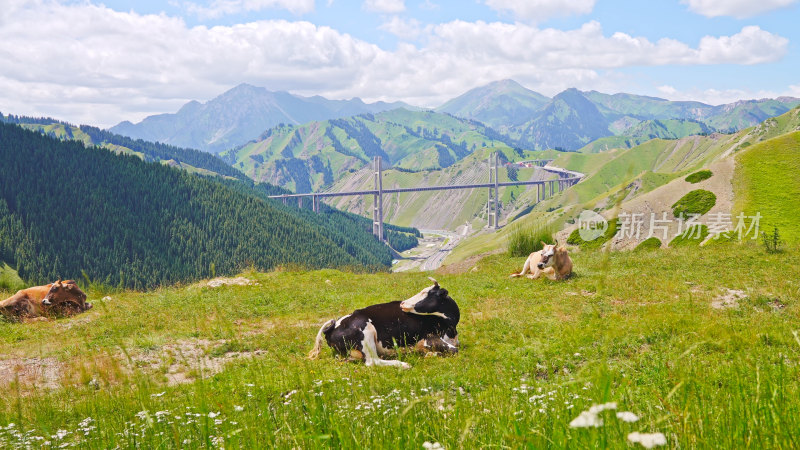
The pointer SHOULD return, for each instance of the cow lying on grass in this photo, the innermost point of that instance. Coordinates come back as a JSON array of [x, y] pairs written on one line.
[[56, 299], [427, 320], [552, 261]]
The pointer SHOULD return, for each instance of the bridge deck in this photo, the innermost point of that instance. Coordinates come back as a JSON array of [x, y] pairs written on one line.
[[574, 179]]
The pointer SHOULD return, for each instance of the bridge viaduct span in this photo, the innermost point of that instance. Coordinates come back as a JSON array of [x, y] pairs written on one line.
[[544, 189]]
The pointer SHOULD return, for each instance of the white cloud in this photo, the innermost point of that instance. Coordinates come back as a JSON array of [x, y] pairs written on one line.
[[540, 10], [385, 6], [89, 64], [410, 29], [218, 8], [735, 8]]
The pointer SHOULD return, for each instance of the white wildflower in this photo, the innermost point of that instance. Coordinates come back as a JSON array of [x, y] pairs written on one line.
[[648, 440], [238, 408], [586, 419], [627, 416], [596, 409], [211, 415], [158, 395], [61, 434], [290, 393], [432, 446]]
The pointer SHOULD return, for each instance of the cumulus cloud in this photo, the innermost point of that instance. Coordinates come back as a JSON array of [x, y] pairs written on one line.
[[87, 63], [408, 29], [218, 8], [385, 6], [541, 10], [735, 8]]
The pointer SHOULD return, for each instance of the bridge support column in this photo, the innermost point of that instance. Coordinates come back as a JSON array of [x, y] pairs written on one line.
[[315, 203], [377, 210], [493, 202], [300, 202]]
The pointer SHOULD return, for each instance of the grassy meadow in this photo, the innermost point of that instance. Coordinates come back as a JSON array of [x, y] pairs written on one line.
[[767, 182], [635, 328]]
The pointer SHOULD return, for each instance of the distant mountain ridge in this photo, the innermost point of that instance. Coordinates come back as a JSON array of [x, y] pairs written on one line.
[[239, 115], [574, 118]]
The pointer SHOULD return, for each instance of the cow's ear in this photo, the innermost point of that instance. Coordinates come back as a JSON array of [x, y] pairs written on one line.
[[442, 292], [544, 244]]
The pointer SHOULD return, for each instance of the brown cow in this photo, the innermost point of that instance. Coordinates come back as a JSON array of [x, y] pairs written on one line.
[[59, 298]]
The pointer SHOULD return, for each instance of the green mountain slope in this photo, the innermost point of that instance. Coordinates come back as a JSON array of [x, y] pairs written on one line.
[[128, 222], [647, 130], [767, 182], [500, 104], [305, 158], [569, 122], [193, 161]]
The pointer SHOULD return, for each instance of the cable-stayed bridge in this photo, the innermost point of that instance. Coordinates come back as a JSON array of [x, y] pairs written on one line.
[[544, 189]]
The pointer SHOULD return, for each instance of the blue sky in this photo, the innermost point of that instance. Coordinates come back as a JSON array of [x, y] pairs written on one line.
[[103, 62]]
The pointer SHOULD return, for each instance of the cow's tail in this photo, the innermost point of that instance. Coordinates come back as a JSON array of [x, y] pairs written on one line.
[[320, 337]]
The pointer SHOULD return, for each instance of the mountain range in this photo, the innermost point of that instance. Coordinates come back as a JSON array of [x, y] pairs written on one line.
[[568, 121], [573, 118], [239, 115]]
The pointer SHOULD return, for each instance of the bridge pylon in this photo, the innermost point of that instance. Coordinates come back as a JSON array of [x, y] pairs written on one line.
[[377, 204], [493, 202]]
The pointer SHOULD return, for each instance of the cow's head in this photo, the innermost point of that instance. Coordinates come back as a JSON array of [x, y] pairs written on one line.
[[547, 252], [64, 292], [432, 301], [550, 253]]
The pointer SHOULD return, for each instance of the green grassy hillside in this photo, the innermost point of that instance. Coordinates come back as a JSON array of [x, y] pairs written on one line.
[[767, 182], [308, 157], [534, 355]]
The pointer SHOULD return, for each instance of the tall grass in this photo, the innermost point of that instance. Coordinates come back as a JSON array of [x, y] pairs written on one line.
[[9, 279], [524, 240]]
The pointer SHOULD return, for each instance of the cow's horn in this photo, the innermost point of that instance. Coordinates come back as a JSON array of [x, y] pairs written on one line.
[[436, 283]]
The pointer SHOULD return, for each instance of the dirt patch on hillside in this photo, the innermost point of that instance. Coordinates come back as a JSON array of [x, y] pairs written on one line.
[[730, 299], [189, 359], [470, 264], [659, 201], [238, 281], [41, 373], [183, 361]]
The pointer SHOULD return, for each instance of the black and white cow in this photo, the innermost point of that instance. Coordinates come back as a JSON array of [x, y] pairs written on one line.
[[427, 320]]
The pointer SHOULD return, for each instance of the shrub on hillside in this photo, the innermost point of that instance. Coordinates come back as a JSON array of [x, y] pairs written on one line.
[[575, 237], [699, 176], [696, 202], [772, 242]]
